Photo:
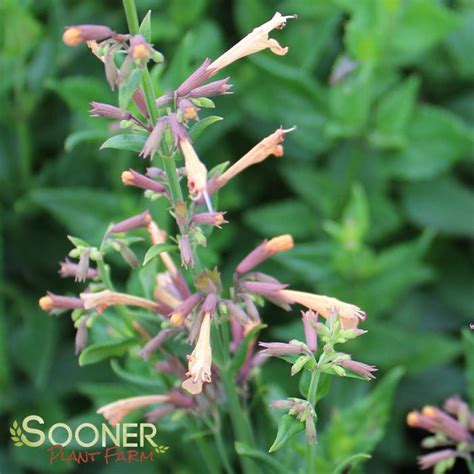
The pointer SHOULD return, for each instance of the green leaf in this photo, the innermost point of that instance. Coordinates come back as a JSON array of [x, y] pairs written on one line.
[[288, 426], [132, 142], [128, 88], [239, 357], [244, 450], [436, 140], [415, 351], [351, 461], [83, 136], [98, 352], [393, 113], [77, 242], [198, 128], [156, 250], [444, 205], [351, 432], [71, 207], [289, 216], [136, 379], [145, 26]]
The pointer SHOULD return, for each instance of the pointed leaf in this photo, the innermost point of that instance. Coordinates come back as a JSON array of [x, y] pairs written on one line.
[[198, 128], [288, 426], [132, 142], [98, 352], [156, 250]]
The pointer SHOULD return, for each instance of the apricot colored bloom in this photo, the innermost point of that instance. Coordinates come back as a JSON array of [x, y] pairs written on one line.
[[324, 305], [199, 362], [254, 42], [270, 145], [103, 299], [265, 250], [195, 170], [75, 35], [114, 412]]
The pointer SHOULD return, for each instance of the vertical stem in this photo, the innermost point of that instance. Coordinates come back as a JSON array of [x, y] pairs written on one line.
[[312, 394], [147, 85], [238, 415], [169, 165]]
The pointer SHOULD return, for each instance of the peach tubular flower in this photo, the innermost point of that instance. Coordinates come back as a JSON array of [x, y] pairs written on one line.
[[103, 299], [254, 42], [199, 362], [270, 145], [349, 313], [195, 169], [265, 250], [114, 412]]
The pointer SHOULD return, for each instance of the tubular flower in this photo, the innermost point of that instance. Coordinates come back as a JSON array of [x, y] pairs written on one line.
[[69, 269], [154, 139], [114, 412], [310, 320], [195, 170], [132, 178], [254, 42], [103, 299], [75, 35], [54, 304], [201, 74], [431, 460], [364, 370], [270, 145], [132, 223], [100, 109], [180, 313], [199, 362], [209, 218], [349, 313], [265, 250]]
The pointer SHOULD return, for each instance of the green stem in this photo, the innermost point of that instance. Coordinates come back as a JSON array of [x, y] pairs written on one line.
[[169, 165], [238, 415], [312, 394], [147, 85], [222, 451]]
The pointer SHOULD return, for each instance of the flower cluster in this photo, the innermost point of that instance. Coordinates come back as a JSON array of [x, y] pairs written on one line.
[[451, 429], [190, 303]]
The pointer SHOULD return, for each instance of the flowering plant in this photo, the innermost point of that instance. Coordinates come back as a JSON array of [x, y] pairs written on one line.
[[193, 337]]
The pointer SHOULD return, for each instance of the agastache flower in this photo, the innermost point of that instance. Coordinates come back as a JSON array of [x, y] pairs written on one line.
[[103, 299], [213, 88], [80, 341], [186, 252], [270, 145], [83, 266], [310, 320], [324, 305], [132, 178], [265, 250], [180, 313], [431, 460], [447, 424], [188, 110], [201, 74], [109, 111], [69, 269], [195, 170], [139, 100], [132, 223], [200, 361], [254, 42], [364, 370], [154, 139], [54, 304], [155, 343], [77, 34], [275, 349], [209, 218], [115, 412], [140, 50]]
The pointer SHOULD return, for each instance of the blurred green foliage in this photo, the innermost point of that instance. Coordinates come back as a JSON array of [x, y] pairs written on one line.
[[375, 186]]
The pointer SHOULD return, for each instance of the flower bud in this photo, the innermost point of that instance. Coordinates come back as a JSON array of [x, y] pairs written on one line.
[[109, 111], [75, 35], [186, 252], [132, 178], [310, 320], [132, 223], [264, 251], [54, 304], [195, 79], [154, 139], [209, 218]]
